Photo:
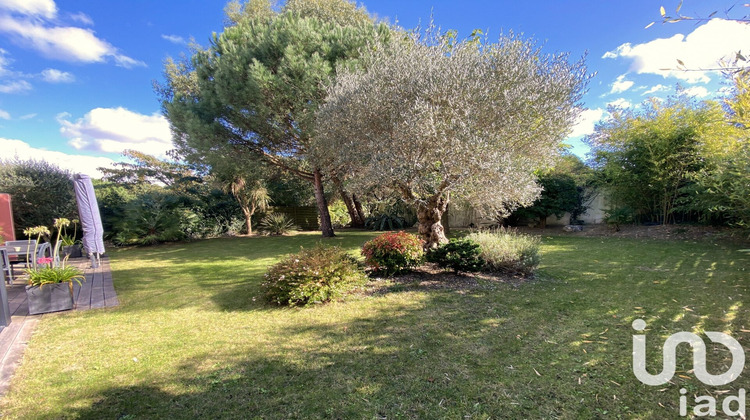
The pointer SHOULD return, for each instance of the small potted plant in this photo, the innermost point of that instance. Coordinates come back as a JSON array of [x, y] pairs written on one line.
[[50, 288], [71, 247]]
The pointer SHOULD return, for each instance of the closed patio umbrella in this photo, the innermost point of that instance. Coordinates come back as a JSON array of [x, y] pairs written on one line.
[[91, 221]]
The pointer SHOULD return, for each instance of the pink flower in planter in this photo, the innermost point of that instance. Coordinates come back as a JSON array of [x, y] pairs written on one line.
[[44, 260]]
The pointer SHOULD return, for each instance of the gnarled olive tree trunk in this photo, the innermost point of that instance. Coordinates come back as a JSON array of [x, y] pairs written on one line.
[[429, 214]]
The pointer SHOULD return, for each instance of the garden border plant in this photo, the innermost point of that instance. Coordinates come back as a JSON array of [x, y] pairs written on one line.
[[506, 250], [458, 255], [393, 252], [313, 275]]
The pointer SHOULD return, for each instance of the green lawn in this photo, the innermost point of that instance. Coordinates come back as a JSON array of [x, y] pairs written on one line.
[[193, 338]]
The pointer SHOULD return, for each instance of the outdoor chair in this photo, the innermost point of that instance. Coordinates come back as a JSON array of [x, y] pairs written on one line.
[[56, 254], [5, 262], [23, 251], [42, 251]]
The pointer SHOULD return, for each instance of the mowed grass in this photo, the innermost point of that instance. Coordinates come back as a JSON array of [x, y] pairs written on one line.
[[193, 338]]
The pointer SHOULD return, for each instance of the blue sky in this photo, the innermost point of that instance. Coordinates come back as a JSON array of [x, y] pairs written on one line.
[[76, 76]]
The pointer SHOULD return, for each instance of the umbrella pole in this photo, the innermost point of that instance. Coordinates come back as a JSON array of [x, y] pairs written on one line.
[[94, 257]]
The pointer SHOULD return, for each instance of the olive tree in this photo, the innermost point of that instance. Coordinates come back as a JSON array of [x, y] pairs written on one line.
[[435, 118]]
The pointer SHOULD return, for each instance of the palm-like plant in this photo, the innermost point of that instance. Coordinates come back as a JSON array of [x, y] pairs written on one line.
[[251, 198], [277, 224]]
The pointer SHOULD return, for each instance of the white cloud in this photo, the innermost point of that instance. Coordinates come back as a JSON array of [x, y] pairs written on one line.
[[113, 130], [82, 18], [15, 86], [127, 62], [175, 39], [656, 89], [621, 85], [11, 81], [586, 123], [4, 62], [43, 8], [701, 49], [696, 91], [57, 76], [74, 163], [4, 115], [620, 103], [27, 116], [65, 43]]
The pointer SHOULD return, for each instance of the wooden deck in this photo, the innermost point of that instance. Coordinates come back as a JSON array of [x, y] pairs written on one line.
[[96, 292]]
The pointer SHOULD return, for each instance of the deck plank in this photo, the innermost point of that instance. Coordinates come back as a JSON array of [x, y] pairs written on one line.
[[17, 301], [13, 357], [9, 335], [84, 297]]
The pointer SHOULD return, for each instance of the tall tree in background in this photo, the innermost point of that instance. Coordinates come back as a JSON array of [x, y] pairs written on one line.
[[259, 83], [245, 181], [434, 117], [584, 178], [146, 169], [723, 185], [739, 103], [647, 157]]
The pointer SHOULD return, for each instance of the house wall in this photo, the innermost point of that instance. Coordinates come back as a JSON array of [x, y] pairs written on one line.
[[594, 214], [463, 216], [6, 219]]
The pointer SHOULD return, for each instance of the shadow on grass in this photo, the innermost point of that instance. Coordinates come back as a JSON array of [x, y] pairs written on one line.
[[451, 355], [556, 348]]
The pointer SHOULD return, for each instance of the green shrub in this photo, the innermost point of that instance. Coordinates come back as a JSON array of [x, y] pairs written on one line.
[[41, 191], [458, 255], [339, 214], [618, 216], [153, 217], [277, 224], [314, 275], [393, 252], [508, 251]]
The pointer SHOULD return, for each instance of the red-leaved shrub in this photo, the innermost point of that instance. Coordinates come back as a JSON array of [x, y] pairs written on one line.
[[393, 252]]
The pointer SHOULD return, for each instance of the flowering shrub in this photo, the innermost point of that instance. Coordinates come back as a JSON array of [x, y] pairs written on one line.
[[393, 252], [313, 275]]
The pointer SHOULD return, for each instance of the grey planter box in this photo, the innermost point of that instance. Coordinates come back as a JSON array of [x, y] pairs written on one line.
[[71, 251], [50, 298]]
